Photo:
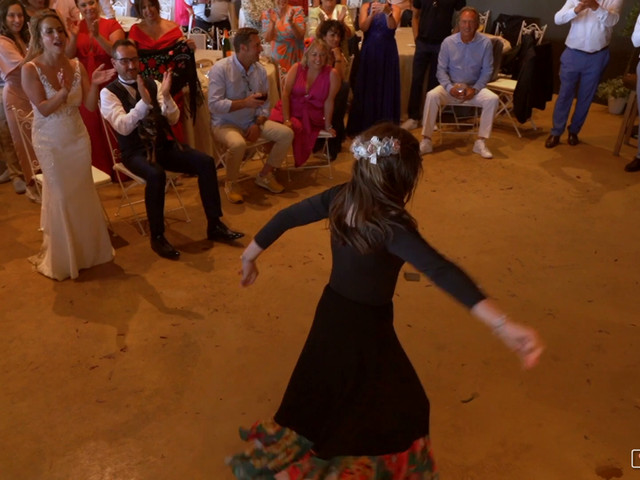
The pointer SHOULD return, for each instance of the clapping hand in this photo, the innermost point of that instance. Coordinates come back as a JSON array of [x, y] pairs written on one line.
[[165, 86], [73, 26], [100, 75], [142, 90], [93, 26], [61, 80]]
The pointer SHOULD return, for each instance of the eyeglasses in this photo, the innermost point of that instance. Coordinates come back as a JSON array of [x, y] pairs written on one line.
[[126, 61]]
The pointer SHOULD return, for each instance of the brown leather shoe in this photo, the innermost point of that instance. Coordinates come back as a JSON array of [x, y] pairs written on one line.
[[573, 139], [552, 141]]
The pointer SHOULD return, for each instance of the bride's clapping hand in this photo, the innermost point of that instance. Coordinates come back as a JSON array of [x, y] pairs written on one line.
[[100, 75], [61, 81]]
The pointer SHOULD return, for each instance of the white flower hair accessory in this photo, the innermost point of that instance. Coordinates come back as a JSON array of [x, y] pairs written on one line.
[[375, 147]]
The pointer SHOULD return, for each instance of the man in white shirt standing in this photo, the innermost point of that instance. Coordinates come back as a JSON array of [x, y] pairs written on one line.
[[211, 13], [584, 59], [240, 108]]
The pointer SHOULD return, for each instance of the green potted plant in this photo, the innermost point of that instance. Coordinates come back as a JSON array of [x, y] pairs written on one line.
[[616, 94]]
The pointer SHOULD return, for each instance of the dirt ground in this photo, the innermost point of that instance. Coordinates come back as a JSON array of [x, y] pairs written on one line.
[[143, 369]]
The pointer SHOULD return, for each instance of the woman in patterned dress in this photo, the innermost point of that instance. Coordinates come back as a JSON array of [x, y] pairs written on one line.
[[284, 26]]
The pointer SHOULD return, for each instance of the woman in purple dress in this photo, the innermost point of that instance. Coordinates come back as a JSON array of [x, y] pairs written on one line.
[[376, 93]]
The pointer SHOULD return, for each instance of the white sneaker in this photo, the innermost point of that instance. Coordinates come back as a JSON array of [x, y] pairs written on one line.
[[19, 186], [426, 146], [233, 192], [269, 182], [410, 124], [481, 149]]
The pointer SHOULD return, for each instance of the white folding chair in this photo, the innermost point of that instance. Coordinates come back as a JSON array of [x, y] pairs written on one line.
[[483, 21], [459, 119], [254, 151], [121, 170], [25, 125], [200, 37], [534, 29], [119, 8], [324, 159]]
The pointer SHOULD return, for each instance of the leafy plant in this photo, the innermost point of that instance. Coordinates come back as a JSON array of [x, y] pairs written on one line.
[[630, 20], [612, 88]]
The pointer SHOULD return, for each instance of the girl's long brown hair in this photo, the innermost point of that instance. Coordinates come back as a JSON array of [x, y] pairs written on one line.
[[364, 211]]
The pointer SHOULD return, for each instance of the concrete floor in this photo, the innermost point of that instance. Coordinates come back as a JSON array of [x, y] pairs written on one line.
[[144, 368]]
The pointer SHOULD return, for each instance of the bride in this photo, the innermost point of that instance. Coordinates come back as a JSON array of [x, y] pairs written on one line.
[[75, 232]]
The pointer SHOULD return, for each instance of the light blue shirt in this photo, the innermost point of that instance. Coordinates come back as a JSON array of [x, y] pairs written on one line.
[[470, 63], [228, 80]]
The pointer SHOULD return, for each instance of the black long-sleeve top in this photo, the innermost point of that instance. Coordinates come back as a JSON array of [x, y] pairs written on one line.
[[371, 278]]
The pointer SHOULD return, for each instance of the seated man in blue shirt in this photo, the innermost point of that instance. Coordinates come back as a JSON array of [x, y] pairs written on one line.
[[240, 108], [465, 65]]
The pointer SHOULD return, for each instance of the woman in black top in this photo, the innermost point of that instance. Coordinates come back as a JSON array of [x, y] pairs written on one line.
[[354, 401]]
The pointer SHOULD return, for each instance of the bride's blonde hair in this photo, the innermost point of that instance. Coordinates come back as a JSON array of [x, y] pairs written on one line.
[[35, 45]]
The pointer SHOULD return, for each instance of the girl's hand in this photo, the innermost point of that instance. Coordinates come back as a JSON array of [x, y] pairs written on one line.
[[522, 340], [191, 43], [249, 272], [100, 75]]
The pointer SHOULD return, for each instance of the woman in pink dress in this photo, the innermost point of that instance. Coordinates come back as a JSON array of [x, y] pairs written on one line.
[[90, 40], [14, 37], [307, 99]]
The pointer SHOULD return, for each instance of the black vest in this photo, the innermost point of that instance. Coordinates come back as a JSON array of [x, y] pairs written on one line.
[[132, 144]]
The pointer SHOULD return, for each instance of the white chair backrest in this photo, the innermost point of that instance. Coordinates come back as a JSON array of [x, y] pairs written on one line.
[[119, 8], [534, 29], [25, 125], [483, 20], [200, 39]]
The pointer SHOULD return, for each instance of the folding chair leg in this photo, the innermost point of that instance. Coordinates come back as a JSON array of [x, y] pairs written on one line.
[[125, 198]]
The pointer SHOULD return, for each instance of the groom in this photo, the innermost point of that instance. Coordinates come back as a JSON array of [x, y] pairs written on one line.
[[126, 102]]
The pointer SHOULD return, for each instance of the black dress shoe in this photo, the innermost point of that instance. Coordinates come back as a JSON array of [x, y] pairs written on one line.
[[552, 141], [633, 165], [573, 139], [220, 232], [162, 247]]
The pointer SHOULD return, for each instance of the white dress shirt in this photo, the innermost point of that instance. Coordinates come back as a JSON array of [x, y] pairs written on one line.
[[635, 36], [590, 29], [124, 123]]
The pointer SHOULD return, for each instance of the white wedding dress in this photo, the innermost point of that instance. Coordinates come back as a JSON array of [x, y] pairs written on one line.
[[75, 231]]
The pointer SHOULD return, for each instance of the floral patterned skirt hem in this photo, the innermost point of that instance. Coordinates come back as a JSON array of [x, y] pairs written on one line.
[[279, 453]]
